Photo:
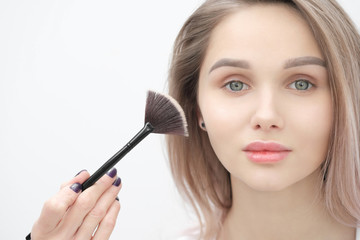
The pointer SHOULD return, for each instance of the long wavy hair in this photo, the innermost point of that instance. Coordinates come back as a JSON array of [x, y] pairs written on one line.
[[198, 173]]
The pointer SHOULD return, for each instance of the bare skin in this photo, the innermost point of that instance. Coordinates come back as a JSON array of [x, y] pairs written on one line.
[[76, 215], [264, 79]]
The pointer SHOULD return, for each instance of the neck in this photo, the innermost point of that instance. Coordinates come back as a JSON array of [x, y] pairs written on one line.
[[296, 212]]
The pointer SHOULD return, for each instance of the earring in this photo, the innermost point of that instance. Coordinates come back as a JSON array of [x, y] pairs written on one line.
[[203, 125]]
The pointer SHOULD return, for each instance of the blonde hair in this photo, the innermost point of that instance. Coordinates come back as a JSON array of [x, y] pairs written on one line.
[[200, 176]]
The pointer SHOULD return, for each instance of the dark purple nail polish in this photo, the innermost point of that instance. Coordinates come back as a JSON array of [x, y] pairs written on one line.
[[80, 172], [117, 199], [76, 187], [112, 172], [117, 182]]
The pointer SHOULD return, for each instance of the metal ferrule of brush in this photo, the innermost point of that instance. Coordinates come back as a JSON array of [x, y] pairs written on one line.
[[146, 130]]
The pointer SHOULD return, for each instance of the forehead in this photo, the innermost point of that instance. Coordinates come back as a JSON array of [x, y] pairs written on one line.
[[263, 30]]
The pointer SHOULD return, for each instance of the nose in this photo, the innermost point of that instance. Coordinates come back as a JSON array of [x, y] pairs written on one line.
[[266, 116]]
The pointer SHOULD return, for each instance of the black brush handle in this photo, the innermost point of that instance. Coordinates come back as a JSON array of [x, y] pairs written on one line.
[[146, 130]]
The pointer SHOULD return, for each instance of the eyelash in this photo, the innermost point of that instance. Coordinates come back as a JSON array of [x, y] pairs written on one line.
[[309, 84], [229, 84], [292, 85]]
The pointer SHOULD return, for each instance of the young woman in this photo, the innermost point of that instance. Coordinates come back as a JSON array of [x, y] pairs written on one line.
[[271, 93], [270, 90]]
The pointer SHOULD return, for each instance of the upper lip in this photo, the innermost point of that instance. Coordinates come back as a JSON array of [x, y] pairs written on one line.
[[260, 146]]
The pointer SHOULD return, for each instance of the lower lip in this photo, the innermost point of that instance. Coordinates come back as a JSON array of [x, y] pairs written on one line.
[[266, 156]]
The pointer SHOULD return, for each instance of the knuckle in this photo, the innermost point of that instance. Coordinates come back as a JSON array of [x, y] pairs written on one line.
[[109, 223], [117, 206], [97, 213], [54, 206]]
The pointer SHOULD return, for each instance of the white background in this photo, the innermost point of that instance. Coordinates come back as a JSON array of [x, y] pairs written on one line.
[[73, 82]]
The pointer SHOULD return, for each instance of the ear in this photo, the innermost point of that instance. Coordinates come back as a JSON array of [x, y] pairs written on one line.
[[201, 120]]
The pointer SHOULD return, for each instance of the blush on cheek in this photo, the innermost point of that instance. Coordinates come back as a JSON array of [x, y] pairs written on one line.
[[321, 122], [312, 132], [224, 127], [220, 119]]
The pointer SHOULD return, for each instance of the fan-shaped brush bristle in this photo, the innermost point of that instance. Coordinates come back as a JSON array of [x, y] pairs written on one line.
[[165, 114], [162, 115]]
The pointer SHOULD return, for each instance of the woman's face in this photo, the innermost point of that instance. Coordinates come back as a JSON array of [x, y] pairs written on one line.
[[265, 98]]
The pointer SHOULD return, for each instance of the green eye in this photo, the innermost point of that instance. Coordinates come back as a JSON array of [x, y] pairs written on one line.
[[236, 86], [301, 85]]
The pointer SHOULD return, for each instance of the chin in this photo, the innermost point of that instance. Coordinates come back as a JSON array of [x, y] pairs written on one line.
[[266, 183], [267, 187]]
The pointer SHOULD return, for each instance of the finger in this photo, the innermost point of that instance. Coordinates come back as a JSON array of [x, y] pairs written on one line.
[[86, 202], [55, 208], [101, 208], [108, 223], [79, 178]]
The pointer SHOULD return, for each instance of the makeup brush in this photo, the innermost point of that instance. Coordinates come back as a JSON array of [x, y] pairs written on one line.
[[163, 115]]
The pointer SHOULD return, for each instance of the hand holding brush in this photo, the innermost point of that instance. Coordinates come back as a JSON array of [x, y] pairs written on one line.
[[73, 213], [162, 115]]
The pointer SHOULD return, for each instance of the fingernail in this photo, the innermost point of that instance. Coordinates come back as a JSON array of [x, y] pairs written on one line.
[[80, 172], [76, 187], [111, 173], [117, 199], [117, 182]]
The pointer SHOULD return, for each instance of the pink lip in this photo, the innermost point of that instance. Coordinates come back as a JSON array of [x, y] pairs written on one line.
[[266, 152]]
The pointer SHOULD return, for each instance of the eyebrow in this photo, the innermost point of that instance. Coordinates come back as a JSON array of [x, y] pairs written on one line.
[[293, 62], [227, 62], [302, 61]]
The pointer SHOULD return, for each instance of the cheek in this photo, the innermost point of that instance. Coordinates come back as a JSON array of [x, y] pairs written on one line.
[[225, 123], [221, 115], [311, 127]]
